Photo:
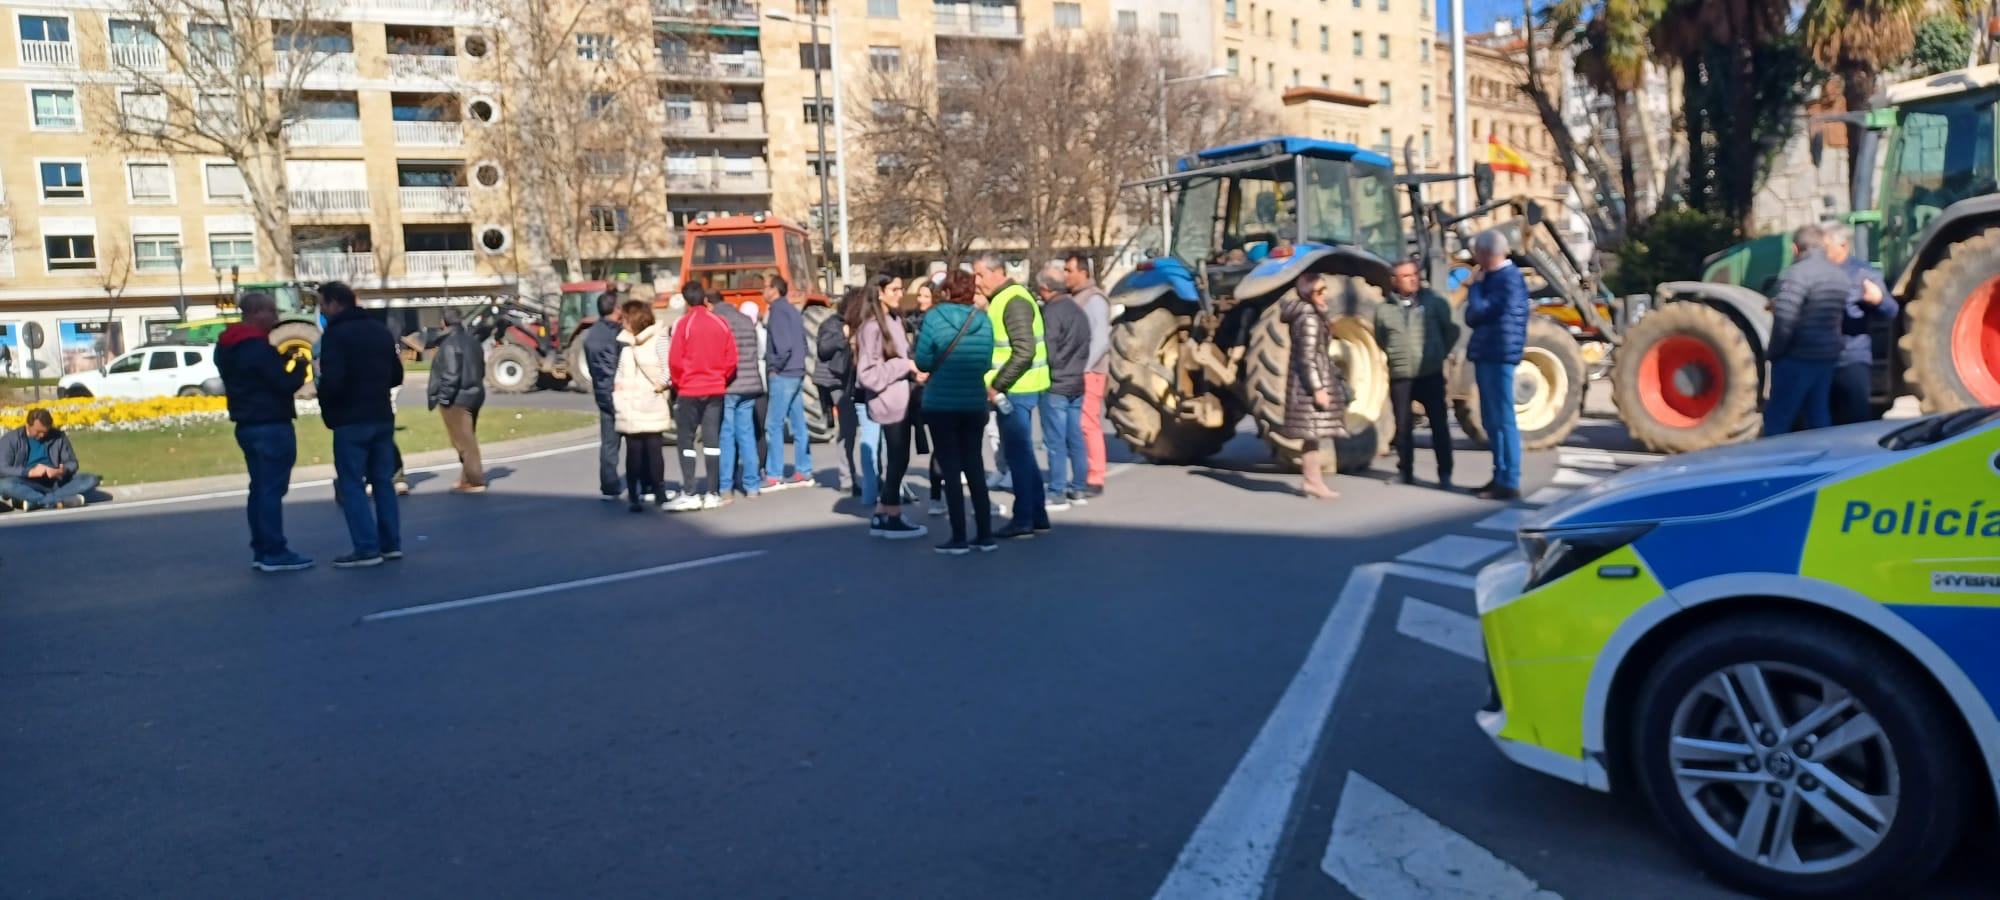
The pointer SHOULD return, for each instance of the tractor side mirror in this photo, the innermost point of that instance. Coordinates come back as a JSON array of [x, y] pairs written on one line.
[[1482, 183]]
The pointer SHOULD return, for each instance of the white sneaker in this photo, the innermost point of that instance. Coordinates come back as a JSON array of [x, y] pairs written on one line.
[[711, 501], [684, 503]]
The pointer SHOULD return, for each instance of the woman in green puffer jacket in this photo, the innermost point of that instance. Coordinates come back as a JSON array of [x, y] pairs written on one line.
[[954, 350]]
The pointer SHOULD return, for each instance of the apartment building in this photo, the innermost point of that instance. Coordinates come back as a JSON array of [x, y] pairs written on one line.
[[1367, 67], [387, 186]]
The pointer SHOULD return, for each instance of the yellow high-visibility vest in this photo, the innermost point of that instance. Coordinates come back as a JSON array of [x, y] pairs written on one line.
[[1036, 378]]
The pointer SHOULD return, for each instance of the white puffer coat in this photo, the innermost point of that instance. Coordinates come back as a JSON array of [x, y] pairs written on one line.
[[640, 406]]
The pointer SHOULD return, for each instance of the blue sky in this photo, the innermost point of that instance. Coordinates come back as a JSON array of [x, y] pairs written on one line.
[[1479, 14]]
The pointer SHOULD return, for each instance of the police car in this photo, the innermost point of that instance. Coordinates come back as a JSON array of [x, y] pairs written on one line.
[[1790, 648]]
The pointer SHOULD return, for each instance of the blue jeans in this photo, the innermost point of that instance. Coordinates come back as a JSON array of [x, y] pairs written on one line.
[[1017, 443], [787, 406], [868, 438], [46, 492], [1799, 387], [739, 443], [1062, 437], [364, 457], [269, 450], [1496, 414]]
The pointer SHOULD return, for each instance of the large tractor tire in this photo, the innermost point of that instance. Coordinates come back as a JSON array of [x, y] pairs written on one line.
[[1362, 364], [1687, 379], [819, 420], [300, 338], [577, 363], [512, 369], [1953, 341], [1548, 389], [1145, 355]]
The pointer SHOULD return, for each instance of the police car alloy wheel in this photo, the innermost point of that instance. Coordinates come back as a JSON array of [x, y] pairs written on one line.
[[1795, 758]]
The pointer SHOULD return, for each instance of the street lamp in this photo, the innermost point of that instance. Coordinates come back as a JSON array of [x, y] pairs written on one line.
[[839, 135], [1166, 155], [180, 285]]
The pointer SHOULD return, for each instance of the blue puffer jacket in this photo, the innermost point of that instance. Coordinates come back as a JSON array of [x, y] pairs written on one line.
[[1496, 309]]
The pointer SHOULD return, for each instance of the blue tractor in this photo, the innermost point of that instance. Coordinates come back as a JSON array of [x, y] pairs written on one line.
[[1199, 345]]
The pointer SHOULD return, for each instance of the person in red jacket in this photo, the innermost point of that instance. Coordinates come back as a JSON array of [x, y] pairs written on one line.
[[700, 362]]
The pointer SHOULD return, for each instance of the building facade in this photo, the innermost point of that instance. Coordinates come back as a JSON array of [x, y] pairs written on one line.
[[1503, 121]]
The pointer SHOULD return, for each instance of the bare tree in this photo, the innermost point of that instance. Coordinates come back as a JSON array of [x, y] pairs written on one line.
[[941, 171], [1578, 165], [224, 78], [582, 138]]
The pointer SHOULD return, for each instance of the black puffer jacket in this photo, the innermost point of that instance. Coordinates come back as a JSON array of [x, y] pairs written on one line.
[[748, 380], [358, 366], [458, 372], [836, 355], [1808, 309], [1311, 370], [600, 355], [254, 377]]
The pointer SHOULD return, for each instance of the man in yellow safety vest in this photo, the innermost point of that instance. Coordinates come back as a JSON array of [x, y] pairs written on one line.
[[1019, 377]]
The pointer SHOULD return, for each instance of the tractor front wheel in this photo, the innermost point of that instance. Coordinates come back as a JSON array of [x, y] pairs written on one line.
[[820, 421], [1144, 400], [577, 363], [1362, 365], [1953, 343], [512, 369], [1548, 389], [298, 338], [1687, 379]]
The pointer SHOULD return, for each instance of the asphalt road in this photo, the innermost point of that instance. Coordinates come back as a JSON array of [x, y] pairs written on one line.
[[798, 712]]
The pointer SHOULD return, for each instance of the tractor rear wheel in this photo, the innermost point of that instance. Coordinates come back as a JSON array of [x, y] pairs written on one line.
[[512, 369], [1953, 342], [819, 420], [1363, 366], [301, 338], [1144, 406], [1687, 379], [577, 362], [1548, 389]]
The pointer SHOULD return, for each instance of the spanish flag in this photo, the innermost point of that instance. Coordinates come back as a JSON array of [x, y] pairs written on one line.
[[1504, 158]]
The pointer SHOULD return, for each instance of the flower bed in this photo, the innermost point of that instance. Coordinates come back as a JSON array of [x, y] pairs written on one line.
[[100, 414]]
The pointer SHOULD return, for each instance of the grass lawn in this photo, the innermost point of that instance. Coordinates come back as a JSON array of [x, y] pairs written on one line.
[[138, 457]]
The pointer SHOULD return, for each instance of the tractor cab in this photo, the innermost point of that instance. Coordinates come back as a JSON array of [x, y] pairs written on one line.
[[737, 256], [1251, 217], [1942, 153]]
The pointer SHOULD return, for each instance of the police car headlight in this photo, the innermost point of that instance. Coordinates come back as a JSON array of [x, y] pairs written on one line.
[[1554, 554]]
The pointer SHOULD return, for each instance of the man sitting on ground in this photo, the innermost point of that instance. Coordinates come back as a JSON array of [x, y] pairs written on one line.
[[38, 467]]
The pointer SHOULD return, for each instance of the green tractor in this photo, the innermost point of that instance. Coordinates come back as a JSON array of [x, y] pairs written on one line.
[[1690, 373], [298, 324]]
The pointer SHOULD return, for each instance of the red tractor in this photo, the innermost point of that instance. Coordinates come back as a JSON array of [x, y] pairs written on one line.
[[531, 339]]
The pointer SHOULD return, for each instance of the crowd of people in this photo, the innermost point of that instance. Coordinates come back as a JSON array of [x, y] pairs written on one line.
[[1822, 349], [902, 367]]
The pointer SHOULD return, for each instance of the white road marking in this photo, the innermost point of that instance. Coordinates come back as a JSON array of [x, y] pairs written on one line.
[[1549, 495], [1229, 855], [1507, 520], [46, 515], [1455, 551], [1385, 849], [539, 590], [1119, 469], [1574, 478], [1585, 459], [1442, 628]]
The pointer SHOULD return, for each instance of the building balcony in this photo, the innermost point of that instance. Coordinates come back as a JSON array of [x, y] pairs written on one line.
[[347, 267], [324, 65], [441, 7], [719, 66], [141, 57], [440, 264], [324, 133], [323, 201], [435, 200], [430, 134], [412, 67], [713, 10], [719, 182], [954, 22], [48, 54], [722, 127]]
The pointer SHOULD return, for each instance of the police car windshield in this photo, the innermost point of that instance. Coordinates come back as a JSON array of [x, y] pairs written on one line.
[[1927, 431]]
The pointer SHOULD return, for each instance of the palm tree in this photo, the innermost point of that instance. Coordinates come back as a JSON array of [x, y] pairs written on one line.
[[1856, 39], [1686, 31]]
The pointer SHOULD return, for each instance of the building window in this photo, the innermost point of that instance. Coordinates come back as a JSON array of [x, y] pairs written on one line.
[[1382, 5], [882, 9], [1295, 32], [45, 28], [815, 56], [54, 109], [680, 107], [1170, 24], [1235, 63], [885, 59], [152, 182], [887, 164], [70, 252], [816, 113], [1425, 94], [1268, 16], [1325, 39], [143, 111], [1427, 143], [1382, 92], [62, 181], [1128, 21], [1360, 88], [211, 46], [225, 183], [1382, 46], [1229, 10], [1387, 141], [1357, 43], [1424, 50], [604, 162], [227, 250], [882, 110], [599, 103], [593, 47], [155, 252], [1069, 15], [610, 219], [1326, 82], [1295, 78], [1270, 74]]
